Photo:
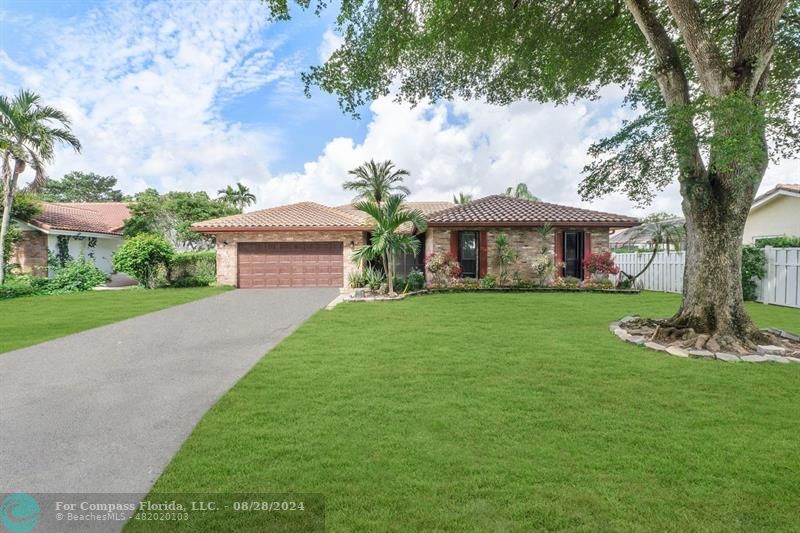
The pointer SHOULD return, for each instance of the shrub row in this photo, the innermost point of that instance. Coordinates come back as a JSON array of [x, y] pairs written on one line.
[[152, 260], [75, 276]]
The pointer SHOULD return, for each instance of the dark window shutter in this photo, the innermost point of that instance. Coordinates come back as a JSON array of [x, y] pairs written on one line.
[[483, 254], [454, 243], [559, 237]]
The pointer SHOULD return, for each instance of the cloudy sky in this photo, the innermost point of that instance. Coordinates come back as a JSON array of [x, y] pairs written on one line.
[[195, 95]]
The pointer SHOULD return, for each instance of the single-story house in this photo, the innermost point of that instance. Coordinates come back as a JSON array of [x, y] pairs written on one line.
[[776, 213], [311, 245], [70, 230]]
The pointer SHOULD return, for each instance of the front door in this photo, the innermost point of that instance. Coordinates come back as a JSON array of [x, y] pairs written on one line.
[[573, 254], [468, 253]]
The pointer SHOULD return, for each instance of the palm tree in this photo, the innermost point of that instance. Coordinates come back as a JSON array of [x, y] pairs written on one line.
[[27, 139], [387, 241], [462, 198], [377, 181], [662, 229], [239, 197], [521, 191]]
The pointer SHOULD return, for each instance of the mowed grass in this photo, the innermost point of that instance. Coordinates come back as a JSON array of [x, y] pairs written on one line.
[[502, 412], [31, 320]]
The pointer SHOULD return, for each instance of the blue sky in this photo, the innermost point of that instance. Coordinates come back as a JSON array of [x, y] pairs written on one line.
[[191, 95]]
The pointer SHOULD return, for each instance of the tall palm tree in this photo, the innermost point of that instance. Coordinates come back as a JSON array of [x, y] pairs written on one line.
[[521, 191], [462, 198], [29, 132], [238, 197], [377, 181], [387, 241]]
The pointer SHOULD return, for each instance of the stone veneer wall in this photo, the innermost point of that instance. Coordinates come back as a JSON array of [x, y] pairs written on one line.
[[525, 240], [227, 258], [31, 253]]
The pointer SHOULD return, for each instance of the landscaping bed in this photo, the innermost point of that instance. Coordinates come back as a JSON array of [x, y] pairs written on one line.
[[780, 346]]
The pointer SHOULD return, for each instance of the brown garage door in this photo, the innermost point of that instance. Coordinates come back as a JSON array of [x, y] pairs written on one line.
[[290, 264]]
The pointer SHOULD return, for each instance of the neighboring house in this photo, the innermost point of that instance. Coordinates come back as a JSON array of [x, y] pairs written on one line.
[[775, 213], [311, 245], [71, 230], [641, 237]]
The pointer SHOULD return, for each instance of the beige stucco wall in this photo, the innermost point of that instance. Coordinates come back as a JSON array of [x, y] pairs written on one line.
[[227, 267], [526, 241], [779, 217]]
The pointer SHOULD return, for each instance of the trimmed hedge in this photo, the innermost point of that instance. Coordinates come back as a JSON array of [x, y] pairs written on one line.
[[193, 269], [779, 242]]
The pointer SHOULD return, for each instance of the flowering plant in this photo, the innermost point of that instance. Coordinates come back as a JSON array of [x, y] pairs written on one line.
[[443, 267], [600, 263]]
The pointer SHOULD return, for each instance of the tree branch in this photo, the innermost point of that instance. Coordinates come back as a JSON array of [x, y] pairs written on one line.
[[671, 78], [755, 32], [705, 56]]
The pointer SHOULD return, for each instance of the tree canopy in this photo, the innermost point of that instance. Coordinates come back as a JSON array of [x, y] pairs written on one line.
[[78, 186], [172, 214], [559, 50]]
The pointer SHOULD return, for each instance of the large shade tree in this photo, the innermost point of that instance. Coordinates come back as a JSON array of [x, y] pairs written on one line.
[[29, 133], [79, 186], [714, 84]]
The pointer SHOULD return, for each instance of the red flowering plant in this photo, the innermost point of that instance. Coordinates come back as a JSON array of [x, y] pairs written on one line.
[[443, 267], [600, 263]]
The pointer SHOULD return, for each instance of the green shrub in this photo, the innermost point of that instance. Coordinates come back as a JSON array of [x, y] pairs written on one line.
[[19, 285], [754, 267], [374, 278], [399, 283], [567, 283], [78, 275], [779, 242], [142, 256], [415, 280], [488, 282], [198, 265], [356, 279], [192, 281]]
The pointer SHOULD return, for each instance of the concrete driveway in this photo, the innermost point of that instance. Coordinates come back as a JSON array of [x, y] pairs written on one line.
[[105, 410]]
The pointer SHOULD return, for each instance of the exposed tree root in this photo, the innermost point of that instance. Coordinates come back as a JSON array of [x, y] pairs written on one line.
[[668, 332]]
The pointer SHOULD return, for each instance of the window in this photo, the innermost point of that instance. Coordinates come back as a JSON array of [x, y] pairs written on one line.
[[468, 253]]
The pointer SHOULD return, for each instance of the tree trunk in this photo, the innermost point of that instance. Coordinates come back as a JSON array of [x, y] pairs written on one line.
[[712, 280], [389, 272], [8, 202]]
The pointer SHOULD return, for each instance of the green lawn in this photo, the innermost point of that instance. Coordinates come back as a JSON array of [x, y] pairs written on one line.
[[503, 412], [31, 320]]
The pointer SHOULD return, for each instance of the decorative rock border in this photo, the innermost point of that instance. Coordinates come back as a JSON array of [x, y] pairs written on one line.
[[766, 353]]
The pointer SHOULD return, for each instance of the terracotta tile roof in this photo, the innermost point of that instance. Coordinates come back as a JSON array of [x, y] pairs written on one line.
[[426, 208], [788, 187], [506, 210], [86, 217], [303, 215]]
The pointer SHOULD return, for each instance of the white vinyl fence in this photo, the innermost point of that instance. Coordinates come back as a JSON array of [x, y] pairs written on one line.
[[780, 286], [665, 274]]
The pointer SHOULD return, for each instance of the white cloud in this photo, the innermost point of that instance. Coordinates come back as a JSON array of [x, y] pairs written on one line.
[[465, 147], [145, 82], [144, 85], [330, 42]]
